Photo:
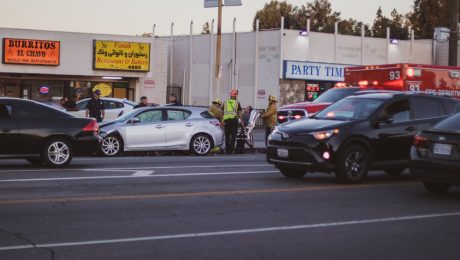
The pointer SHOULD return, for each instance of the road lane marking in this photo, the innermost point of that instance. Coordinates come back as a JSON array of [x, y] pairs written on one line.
[[133, 176], [234, 232], [122, 169], [197, 194], [143, 173]]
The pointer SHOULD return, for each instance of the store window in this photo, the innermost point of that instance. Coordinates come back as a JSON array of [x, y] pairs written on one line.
[[313, 89], [43, 90]]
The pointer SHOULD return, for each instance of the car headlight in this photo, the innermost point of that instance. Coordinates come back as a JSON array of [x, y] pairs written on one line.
[[321, 135]]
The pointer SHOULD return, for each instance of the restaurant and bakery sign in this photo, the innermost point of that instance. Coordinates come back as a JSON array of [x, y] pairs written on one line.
[[31, 52], [127, 56]]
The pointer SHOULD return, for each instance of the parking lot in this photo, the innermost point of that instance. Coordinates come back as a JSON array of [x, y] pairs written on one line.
[[216, 207]]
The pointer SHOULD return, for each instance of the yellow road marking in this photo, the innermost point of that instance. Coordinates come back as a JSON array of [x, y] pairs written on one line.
[[197, 194]]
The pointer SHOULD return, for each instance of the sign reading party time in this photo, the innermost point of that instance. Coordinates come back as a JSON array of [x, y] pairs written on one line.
[[128, 56], [314, 71], [31, 52]]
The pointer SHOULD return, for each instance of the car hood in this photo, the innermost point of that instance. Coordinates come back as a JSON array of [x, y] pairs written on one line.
[[311, 125]]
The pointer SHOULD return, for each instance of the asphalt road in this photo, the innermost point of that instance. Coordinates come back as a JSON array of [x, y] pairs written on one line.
[[216, 207]]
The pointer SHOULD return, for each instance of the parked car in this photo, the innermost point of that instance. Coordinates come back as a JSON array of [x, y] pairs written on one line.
[[357, 134], [165, 128], [42, 134], [435, 155], [305, 109], [114, 107]]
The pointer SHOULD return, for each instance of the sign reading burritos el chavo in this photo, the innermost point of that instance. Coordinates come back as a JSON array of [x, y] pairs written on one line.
[[129, 56], [31, 52]]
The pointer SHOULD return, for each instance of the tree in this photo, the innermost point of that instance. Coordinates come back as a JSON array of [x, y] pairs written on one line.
[[270, 16], [206, 29], [426, 15], [397, 24], [323, 19], [353, 27]]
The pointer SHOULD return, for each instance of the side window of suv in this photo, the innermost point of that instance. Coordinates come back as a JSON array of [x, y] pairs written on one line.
[[400, 110], [108, 104], [426, 108], [5, 111]]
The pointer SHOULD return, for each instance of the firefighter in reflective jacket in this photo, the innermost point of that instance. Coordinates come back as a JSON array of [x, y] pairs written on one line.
[[232, 112], [269, 116]]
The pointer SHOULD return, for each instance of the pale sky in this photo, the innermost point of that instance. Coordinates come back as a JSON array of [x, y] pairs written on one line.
[[134, 17]]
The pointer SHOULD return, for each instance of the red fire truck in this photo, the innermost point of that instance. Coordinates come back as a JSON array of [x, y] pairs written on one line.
[[429, 79]]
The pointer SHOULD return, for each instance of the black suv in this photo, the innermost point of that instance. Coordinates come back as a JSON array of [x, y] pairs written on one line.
[[357, 134]]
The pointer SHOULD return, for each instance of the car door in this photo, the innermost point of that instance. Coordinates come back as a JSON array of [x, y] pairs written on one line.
[[179, 129], [8, 130], [394, 138], [148, 133], [428, 111]]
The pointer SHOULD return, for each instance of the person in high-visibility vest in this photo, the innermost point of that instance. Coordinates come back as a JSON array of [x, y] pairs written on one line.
[[232, 112], [269, 116]]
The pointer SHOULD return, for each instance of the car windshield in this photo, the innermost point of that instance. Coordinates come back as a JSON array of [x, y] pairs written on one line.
[[126, 116], [350, 109], [334, 95]]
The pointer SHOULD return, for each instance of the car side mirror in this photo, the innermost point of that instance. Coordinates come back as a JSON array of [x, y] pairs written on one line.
[[134, 120], [385, 119]]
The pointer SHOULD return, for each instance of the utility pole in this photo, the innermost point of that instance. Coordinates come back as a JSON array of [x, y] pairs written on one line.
[[453, 39], [218, 48]]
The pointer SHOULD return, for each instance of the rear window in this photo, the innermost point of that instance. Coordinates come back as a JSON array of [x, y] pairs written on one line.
[[35, 110], [451, 123], [426, 108], [206, 114], [448, 107]]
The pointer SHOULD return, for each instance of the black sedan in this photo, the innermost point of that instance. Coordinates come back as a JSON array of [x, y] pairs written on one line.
[[42, 134], [357, 134], [435, 155]]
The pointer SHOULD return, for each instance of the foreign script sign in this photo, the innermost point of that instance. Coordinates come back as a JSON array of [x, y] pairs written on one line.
[[128, 56], [31, 52]]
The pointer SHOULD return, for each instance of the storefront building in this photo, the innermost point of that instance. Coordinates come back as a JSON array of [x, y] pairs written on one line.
[[48, 66]]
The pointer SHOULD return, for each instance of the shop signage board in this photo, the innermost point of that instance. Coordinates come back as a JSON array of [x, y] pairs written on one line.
[[314, 71], [106, 89], [126, 56], [215, 3], [149, 83], [31, 52], [261, 93]]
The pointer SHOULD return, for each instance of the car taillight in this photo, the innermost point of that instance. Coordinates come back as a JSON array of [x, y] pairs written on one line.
[[281, 117], [419, 141], [91, 127], [297, 116]]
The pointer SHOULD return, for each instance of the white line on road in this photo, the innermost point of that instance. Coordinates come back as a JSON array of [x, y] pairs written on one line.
[[123, 169], [143, 173], [131, 176], [232, 232]]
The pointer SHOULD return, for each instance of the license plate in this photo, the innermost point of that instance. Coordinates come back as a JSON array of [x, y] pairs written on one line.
[[443, 149], [283, 153]]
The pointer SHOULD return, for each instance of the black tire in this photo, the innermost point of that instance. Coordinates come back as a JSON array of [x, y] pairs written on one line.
[[436, 187], [394, 171], [57, 152], [35, 161], [292, 172], [201, 144], [353, 164], [111, 146]]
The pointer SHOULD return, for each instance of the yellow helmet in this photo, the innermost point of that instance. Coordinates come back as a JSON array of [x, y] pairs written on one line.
[[217, 101], [273, 98]]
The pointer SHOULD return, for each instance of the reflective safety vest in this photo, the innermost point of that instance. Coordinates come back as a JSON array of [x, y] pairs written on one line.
[[230, 109]]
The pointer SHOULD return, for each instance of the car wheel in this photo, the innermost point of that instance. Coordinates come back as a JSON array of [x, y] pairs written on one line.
[[35, 161], [201, 144], [112, 145], [292, 172], [396, 171], [353, 165], [436, 187], [57, 152]]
